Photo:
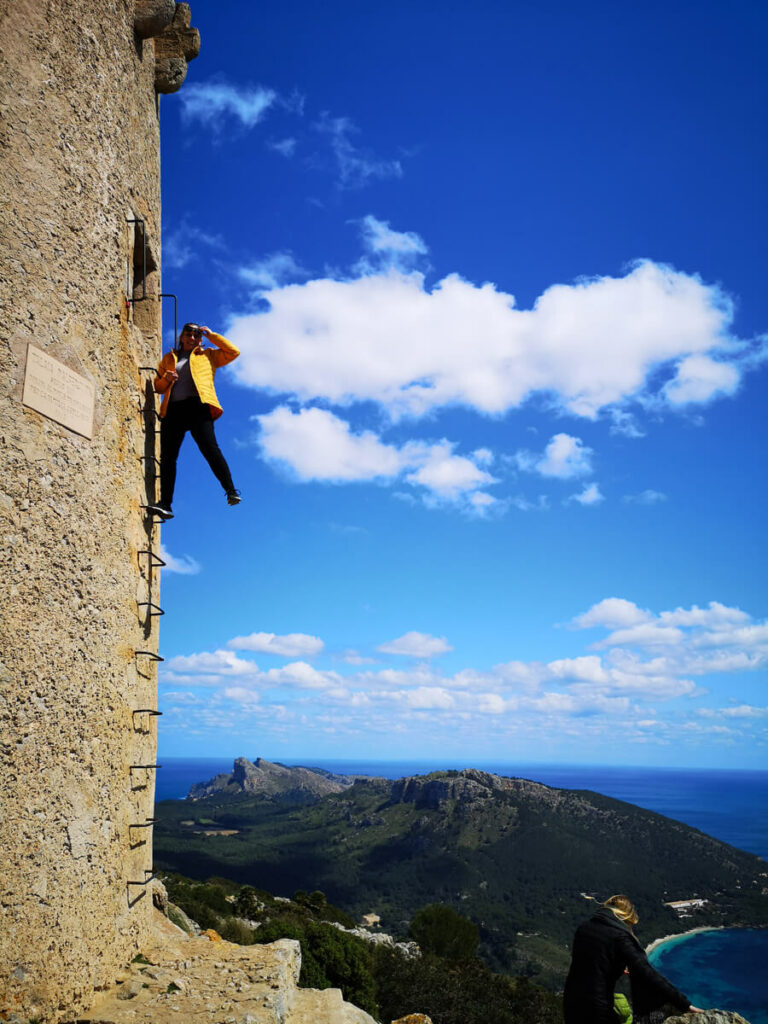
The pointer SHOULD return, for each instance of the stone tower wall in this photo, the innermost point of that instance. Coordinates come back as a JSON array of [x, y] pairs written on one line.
[[79, 164]]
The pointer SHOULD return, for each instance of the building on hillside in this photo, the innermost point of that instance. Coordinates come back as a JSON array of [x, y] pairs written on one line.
[[683, 908], [80, 328]]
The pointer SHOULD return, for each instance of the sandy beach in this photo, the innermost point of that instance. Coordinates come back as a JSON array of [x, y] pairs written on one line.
[[679, 936]]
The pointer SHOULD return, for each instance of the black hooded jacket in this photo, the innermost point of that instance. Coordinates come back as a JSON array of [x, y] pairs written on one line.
[[602, 948]]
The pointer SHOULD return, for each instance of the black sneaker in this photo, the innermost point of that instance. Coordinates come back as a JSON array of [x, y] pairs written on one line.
[[161, 511], [233, 497]]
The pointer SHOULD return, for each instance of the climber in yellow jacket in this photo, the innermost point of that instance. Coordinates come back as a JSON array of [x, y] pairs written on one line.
[[185, 380]]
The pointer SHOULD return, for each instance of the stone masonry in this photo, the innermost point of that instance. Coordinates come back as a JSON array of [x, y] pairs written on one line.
[[79, 284]]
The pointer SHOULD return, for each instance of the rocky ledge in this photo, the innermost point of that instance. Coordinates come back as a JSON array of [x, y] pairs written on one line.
[[708, 1017], [178, 979]]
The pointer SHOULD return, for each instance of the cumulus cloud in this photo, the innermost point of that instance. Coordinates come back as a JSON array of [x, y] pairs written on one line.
[[314, 444], [644, 681], [684, 641], [242, 695], [715, 615], [446, 475], [416, 645], [611, 612], [698, 379], [317, 445], [589, 495], [586, 348], [291, 645], [564, 457], [646, 634], [223, 663], [300, 674], [427, 698]]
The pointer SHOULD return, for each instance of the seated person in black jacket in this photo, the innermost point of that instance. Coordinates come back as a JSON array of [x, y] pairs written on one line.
[[603, 948]]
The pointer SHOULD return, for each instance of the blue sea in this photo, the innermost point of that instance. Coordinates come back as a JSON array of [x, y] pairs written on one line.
[[724, 969]]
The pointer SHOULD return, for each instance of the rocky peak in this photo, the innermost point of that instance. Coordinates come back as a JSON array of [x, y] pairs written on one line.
[[273, 781], [466, 786]]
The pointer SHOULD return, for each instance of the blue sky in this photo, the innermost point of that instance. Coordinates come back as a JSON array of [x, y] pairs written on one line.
[[497, 274]]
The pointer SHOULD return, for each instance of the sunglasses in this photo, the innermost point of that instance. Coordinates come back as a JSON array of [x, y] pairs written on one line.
[[194, 332]]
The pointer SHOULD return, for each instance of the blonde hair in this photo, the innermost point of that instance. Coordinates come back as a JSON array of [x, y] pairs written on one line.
[[623, 908]]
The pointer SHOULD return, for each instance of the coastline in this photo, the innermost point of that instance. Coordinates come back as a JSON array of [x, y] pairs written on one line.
[[673, 940]]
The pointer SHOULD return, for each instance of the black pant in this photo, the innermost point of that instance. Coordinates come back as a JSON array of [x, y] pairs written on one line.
[[189, 414]]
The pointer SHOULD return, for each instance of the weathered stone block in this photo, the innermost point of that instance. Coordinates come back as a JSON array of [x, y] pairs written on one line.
[[174, 47], [170, 74], [152, 16]]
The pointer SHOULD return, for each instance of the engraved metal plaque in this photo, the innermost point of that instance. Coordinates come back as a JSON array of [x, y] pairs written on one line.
[[59, 393]]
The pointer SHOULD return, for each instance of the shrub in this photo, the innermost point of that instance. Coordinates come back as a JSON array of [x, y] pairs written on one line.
[[440, 930]]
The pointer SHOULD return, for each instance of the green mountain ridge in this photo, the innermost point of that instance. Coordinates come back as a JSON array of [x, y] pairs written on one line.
[[518, 858]]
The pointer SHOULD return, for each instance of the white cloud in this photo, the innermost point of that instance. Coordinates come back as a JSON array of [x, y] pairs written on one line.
[[684, 642], [715, 615], [423, 698], [588, 668], [741, 711], [210, 102], [270, 272], [416, 645], [388, 248], [225, 663], [699, 378], [746, 636], [646, 634], [286, 147], [185, 565], [493, 704], [647, 497], [316, 445], [590, 495], [291, 645], [645, 684], [611, 612], [564, 457], [301, 675], [483, 456], [355, 167], [587, 347], [447, 475], [242, 695]]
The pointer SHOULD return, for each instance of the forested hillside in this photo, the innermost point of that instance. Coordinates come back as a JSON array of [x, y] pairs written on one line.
[[518, 858]]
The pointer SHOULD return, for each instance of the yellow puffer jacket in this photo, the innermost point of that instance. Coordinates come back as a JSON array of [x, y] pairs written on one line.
[[203, 364]]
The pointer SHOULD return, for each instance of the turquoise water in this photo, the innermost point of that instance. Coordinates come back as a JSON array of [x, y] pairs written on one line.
[[723, 969]]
